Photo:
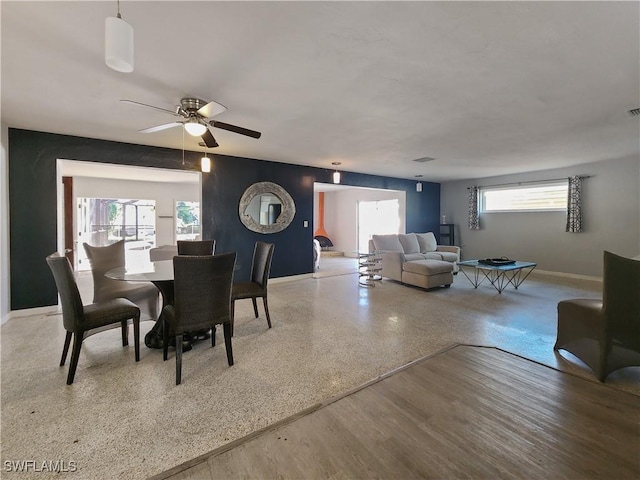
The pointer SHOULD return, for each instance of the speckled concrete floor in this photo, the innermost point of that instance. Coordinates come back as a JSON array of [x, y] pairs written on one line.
[[126, 420]]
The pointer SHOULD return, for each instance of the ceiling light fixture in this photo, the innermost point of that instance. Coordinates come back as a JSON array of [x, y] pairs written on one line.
[[336, 174], [195, 128], [118, 43]]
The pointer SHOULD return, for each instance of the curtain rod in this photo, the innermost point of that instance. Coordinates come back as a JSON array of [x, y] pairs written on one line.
[[530, 181]]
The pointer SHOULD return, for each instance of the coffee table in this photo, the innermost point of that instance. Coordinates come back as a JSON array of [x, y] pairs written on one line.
[[500, 276]]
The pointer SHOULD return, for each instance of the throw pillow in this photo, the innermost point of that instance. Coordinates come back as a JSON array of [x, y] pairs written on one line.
[[427, 242], [388, 243], [409, 243]]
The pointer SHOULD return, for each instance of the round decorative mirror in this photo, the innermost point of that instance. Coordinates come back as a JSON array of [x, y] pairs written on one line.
[[266, 207]]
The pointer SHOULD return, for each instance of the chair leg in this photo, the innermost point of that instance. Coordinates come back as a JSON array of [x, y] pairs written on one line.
[[136, 335], [65, 349], [178, 359], [266, 310], [165, 338], [255, 306], [213, 336], [233, 314], [125, 332], [75, 354], [226, 327]]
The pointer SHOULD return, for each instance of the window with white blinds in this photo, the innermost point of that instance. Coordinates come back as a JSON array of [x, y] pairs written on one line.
[[539, 197]]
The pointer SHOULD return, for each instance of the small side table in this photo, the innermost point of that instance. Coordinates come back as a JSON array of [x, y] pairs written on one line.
[[447, 234], [369, 268]]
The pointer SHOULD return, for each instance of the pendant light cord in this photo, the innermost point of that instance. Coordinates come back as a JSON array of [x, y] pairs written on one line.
[[118, 4]]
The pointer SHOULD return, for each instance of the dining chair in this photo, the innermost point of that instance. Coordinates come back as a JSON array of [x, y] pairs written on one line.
[[83, 320], [196, 247], [103, 259], [605, 333], [163, 252], [202, 300], [256, 287]]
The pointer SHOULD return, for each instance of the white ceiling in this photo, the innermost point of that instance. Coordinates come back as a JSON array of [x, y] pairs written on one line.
[[486, 88]]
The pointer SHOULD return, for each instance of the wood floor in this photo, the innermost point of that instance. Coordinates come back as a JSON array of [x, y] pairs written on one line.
[[467, 412]]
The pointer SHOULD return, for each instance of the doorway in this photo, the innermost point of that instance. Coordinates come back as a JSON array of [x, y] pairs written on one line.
[[341, 222]]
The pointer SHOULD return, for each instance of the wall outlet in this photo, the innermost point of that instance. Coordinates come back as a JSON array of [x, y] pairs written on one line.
[[305, 223]]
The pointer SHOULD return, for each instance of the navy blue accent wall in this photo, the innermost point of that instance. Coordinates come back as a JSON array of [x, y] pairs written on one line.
[[33, 218]]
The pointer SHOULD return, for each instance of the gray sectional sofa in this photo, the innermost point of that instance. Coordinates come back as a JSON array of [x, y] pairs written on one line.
[[416, 259]]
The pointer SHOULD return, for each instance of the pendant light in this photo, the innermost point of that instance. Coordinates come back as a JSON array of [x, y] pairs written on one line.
[[205, 163], [336, 174], [118, 43]]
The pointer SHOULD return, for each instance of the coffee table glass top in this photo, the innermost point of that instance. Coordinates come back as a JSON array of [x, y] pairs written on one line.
[[513, 266]]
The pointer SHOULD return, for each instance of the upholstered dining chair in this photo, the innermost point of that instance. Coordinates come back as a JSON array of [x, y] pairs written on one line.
[[202, 300], [256, 287], [83, 320], [196, 247], [605, 334], [103, 259], [163, 252]]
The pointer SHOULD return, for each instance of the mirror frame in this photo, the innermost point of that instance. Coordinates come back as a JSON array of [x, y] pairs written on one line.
[[286, 215]]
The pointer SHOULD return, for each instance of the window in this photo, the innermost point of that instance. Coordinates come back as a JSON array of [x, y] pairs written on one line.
[[541, 197], [103, 221], [187, 220], [377, 217]]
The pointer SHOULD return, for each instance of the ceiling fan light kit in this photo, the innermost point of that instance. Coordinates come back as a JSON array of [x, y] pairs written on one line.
[[118, 43], [195, 128]]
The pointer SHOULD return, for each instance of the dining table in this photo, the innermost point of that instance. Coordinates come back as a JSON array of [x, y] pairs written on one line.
[[160, 273]]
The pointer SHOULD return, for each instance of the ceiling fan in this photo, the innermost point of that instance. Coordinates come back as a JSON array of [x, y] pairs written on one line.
[[195, 118]]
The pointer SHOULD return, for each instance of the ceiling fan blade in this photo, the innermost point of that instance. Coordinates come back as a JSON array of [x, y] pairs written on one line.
[[160, 127], [133, 102], [235, 129], [211, 109], [209, 141]]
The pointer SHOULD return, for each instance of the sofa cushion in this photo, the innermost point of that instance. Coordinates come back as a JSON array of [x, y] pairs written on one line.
[[427, 242], [428, 267], [432, 256], [409, 242], [448, 256], [388, 243], [414, 256]]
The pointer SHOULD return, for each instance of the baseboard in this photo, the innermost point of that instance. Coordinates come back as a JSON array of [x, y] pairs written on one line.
[[27, 312], [291, 278], [566, 275]]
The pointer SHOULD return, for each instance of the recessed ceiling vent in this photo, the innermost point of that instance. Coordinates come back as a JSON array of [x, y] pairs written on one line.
[[424, 159], [634, 112]]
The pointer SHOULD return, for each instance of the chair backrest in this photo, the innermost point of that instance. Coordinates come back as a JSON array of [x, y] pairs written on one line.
[[261, 263], [163, 252], [621, 299], [196, 247], [102, 260], [202, 287], [72, 309]]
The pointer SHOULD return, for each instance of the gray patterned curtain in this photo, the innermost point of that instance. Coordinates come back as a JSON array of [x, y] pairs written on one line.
[[574, 205], [474, 219]]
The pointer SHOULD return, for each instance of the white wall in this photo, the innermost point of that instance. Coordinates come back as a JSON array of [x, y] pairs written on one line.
[[164, 194], [341, 214], [611, 213], [4, 226]]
